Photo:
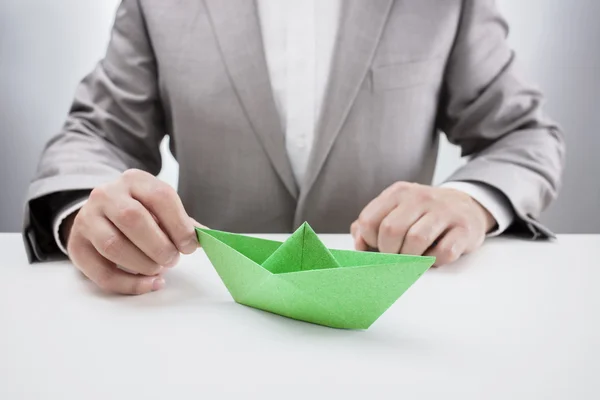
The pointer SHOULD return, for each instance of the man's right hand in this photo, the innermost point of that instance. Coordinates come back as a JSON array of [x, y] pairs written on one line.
[[137, 223]]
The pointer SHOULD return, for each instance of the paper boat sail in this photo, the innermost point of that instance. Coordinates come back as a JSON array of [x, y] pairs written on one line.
[[302, 279]]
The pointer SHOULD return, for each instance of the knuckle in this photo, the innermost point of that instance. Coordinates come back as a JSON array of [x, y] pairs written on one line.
[[425, 195], [448, 253], [113, 247], [98, 194], [162, 192], [129, 216], [388, 228], [366, 221], [132, 174], [400, 186], [417, 236]]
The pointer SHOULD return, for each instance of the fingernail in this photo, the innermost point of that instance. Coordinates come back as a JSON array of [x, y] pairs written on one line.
[[158, 284], [172, 261], [188, 242], [189, 245], [197, 224]]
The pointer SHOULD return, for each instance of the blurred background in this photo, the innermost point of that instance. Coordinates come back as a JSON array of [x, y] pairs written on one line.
[[47, 46]]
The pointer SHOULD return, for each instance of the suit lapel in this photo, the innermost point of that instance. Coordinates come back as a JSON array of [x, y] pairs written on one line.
[[360, 29], [237, 29]]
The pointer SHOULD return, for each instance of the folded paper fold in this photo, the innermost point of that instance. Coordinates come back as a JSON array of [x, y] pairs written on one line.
[[302, 279]]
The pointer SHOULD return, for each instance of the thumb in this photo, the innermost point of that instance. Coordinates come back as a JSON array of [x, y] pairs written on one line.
[[198, 224]]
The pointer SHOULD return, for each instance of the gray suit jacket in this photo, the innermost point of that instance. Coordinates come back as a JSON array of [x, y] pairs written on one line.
[[402, 73]]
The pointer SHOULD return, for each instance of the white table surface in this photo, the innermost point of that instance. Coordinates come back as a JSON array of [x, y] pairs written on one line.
[[516, 320]]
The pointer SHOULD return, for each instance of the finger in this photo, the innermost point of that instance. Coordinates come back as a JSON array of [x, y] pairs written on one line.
[[354, 229], [198, 224], [450, 247], [164, 202], [423, 233], [396, 224], [115, 247], [371, 216], [109, 278], [138, 225], [360, 244]]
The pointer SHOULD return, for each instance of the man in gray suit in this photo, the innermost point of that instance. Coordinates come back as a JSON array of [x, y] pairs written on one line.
[[286, 111]]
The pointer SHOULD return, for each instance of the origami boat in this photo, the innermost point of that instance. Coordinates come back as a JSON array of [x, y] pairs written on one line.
[[302, 279]]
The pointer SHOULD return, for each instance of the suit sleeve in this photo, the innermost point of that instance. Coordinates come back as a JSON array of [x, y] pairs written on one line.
[[497, 120], [115, 123]]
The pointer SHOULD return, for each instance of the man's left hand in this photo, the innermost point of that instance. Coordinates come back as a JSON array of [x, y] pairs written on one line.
[[415, 219]]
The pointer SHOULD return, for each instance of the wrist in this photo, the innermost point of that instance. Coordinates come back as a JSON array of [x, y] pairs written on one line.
[[488, 219]]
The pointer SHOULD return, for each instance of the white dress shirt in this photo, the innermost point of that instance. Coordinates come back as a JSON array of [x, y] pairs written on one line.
[[299, 41]]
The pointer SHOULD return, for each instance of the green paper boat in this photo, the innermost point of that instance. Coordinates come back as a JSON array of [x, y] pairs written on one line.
[[302, 279]]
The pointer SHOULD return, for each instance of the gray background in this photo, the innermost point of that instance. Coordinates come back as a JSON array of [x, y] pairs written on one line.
[[46, 46]]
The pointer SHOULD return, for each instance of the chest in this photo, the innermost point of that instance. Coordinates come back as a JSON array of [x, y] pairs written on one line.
[[192, 70]]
